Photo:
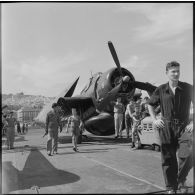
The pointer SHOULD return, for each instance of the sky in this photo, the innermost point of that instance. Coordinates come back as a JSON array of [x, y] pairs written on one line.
[[46, 46]]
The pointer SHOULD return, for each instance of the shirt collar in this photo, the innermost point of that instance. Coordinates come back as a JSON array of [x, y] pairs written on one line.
[[179, 86]]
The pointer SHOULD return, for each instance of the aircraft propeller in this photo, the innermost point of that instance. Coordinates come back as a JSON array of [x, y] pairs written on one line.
[[116, 60], [115, 57]]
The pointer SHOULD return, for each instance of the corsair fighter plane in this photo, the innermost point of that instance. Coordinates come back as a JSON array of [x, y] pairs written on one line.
[[94, 102]]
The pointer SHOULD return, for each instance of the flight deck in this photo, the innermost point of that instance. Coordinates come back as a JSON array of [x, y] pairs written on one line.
[[102, 165]]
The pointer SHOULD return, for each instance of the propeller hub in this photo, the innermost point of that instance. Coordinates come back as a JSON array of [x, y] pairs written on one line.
[[126, 79]]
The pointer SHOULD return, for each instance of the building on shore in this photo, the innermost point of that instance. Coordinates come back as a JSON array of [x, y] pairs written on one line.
[[27, 114]]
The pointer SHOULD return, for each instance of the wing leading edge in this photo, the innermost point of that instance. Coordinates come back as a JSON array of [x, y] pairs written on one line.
[[67, 92], [84, 106]]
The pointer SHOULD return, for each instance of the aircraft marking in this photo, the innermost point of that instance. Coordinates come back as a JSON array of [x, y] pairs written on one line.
[[143, 153], [129, 175]]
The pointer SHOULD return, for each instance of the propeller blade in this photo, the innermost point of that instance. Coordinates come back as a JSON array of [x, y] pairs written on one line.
[[115, 90], [115, 57], [109, 97]]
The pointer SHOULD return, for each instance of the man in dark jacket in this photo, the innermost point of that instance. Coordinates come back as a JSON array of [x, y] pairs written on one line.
[[175, 128], [52, 125]]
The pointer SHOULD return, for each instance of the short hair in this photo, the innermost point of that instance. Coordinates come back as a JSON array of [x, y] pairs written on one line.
[[54, 105], [172, 64]]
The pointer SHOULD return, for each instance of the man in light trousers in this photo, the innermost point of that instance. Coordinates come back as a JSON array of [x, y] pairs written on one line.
[[118, 117]]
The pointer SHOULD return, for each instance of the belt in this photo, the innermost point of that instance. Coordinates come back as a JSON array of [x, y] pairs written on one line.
[[174, 120]]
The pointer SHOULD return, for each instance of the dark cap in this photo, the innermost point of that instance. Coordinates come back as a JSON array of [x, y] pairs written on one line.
[[54, 105]]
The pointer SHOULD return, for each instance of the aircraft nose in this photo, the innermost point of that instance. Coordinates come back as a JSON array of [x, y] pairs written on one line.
[[126, 79]]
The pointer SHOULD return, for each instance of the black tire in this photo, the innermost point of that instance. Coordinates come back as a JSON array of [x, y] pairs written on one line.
[[153, 146]]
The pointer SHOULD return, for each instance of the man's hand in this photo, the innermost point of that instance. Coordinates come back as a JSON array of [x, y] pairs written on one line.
[[60, 130], [189, 127], [66, 130], [46, 132], [159, 123], [135, 119]]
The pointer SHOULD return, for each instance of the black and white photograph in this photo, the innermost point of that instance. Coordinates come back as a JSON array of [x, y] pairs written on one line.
[[97, 97]]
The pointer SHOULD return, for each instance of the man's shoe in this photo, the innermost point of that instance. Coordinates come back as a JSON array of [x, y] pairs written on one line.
[[183, 189], [116, 137], [74, 149], [171, 192], [133, 145], [49, 154]]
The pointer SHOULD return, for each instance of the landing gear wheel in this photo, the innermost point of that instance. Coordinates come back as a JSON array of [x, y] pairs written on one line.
[[157, 148], [153, 146]]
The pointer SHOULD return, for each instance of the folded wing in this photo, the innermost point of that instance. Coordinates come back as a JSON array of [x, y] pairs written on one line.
[[67, 92], [84, 105]]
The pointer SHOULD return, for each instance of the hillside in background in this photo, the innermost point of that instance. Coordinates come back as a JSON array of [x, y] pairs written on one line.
[[16, 101]]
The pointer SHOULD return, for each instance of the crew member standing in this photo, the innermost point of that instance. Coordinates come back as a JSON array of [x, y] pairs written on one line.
[[4, 124], [175, 129], [76, 124], [128, 117], [26, 127], [4, 115], [137, 117], [23, 128], [10, 131], [144, 107], [18, 127], [52, 125], [119, 110]]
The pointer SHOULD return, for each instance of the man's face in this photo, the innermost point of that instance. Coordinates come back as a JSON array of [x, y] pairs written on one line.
[[74, 112], [137, 110], [173, 73], [56, 109], [5, 110], [138, 101], [131, 102], [145, 100], [118, 99]]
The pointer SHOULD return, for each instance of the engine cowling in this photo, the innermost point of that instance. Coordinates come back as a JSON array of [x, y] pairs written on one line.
[[112, 78], [102, 124]]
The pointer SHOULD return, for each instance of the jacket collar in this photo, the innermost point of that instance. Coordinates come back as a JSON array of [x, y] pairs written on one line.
[[179, 86]]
